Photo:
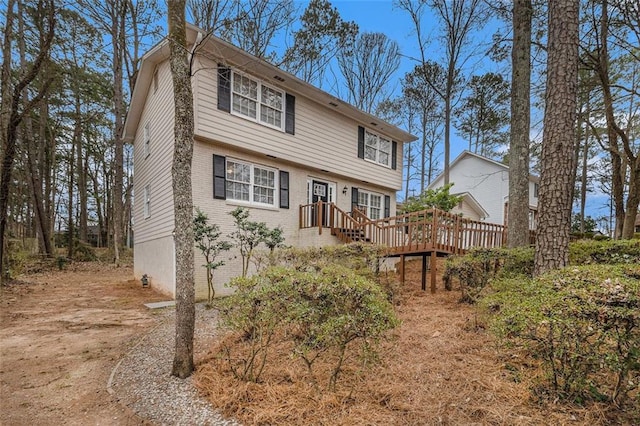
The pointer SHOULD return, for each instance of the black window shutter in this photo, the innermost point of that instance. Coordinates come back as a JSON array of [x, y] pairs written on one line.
[[360, 142], [224, 88], [354, 198], [290, 114], [387, 206], [394, 155], [284, 189], [219, 177]]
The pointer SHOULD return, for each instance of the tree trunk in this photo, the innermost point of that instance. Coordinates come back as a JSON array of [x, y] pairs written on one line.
[[118, 45], [82, 193], [552, 242], [14, 115], [518, 213], [628, 229], [181, 177]]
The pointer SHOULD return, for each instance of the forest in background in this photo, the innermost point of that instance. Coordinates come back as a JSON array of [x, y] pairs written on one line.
[[68, 69]]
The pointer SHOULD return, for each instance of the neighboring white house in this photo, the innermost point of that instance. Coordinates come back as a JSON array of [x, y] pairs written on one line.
[[485, 185], [265, 140]]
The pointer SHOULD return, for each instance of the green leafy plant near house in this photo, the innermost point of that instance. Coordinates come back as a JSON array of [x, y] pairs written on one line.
[[582, 323], [250, 234], [439, 198], [322, 311], [207, 239]]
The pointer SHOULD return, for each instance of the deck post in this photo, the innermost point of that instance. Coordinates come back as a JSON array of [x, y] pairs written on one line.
[[433, 267], [402, 269], [320, 207], [424, 272]]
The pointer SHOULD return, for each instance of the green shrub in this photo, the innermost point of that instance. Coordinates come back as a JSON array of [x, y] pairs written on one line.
[[477, 268], [17, 257], [582, 323], [321, 311], [604, 252]]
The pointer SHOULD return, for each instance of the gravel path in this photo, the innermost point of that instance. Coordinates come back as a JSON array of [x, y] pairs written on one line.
[[142, 380]]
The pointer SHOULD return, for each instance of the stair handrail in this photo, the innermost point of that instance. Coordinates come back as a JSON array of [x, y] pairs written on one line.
[[340, 217]]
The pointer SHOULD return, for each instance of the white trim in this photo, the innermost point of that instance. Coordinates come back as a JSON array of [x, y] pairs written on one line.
[[259, 101], [378, 151], [368, 206], [251, 183], [332, 188], [146, 202]]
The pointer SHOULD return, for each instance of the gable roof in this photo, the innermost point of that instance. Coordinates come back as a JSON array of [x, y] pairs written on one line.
[[465, 154], [473, 203], [244, 61]]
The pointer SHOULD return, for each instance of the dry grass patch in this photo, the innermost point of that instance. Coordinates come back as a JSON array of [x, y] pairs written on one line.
[[437, 367]]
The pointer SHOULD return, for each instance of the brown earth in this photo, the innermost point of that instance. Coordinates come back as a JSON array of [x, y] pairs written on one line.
[[61, 334]]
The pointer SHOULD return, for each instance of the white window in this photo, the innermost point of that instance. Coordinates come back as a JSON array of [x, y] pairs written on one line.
[[251, 183], [370, 203], [256, 101], [147, 201], [147, 141], [536, 187], [377, 149]]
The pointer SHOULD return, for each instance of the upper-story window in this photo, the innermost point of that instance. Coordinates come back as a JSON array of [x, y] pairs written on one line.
[[256, 101], [250, 183], [536, 188], [377, 148]]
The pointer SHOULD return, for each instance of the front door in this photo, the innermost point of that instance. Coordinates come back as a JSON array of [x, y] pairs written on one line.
[[320, 192]]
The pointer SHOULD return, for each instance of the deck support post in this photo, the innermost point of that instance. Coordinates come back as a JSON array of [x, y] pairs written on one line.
[[402, 269], [433, 267], [424, 272]]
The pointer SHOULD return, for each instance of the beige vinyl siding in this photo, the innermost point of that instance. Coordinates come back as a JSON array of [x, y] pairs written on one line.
[[324, 139], [288, 219], [154, 170], [466, 210]]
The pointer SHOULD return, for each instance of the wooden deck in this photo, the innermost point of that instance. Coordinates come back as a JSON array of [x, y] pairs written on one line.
[[428, 233]]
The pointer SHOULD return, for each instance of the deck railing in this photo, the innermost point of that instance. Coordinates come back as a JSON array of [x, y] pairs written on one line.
[[426, 230]]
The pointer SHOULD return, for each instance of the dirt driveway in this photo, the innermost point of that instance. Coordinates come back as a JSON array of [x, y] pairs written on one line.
[[61, 334]]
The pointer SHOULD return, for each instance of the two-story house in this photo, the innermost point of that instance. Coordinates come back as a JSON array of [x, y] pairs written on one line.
[[264, 140], [484, 185]]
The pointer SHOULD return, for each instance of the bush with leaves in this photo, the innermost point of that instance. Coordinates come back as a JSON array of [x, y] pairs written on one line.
[[582, 323], [477, 268], [250, 234], [207, 237], [324, 311], [604, 252], [439, 198]]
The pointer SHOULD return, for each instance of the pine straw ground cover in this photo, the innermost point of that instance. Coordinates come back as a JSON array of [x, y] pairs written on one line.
[[439, 367]]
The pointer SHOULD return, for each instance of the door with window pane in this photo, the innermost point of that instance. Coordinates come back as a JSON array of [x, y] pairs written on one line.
[[320, 192]]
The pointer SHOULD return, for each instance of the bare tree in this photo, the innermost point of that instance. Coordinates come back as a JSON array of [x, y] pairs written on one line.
[[616, 23], [210, 15], [322, 35], [367, 68], [14, 109], [255, 24], [518, 213], [556, 183], [459, 18], [181, 178], [422, 98], [484, 113]]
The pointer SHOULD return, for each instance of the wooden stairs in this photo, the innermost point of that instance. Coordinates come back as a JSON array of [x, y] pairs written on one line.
[[433, 233]]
